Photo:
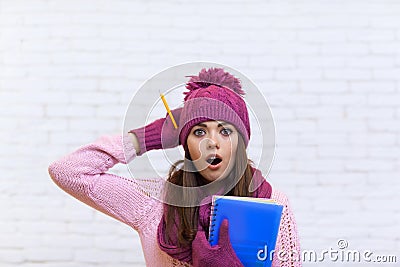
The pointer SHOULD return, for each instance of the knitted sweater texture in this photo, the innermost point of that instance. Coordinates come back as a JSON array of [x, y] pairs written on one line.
[[83, 174]]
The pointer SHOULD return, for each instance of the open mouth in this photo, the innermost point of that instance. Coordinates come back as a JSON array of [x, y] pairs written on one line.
[[214, 160]]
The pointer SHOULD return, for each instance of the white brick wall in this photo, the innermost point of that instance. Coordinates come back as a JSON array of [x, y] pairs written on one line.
[[329, 69]]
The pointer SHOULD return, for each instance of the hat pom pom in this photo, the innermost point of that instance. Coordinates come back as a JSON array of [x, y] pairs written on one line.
[[214, 76]]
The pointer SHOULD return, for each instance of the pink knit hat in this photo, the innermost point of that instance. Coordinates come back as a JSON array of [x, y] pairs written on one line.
[[214, 95]]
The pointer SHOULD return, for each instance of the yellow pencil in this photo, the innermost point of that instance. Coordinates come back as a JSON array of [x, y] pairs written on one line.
[[168, 110]]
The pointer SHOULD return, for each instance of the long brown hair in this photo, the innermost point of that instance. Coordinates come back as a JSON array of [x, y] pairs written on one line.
[[239, 180]]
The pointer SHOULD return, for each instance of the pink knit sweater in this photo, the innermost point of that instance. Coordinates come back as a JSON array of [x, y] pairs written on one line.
[[83, 174]]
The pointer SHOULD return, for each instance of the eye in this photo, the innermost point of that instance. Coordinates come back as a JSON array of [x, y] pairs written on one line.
[[199, 132], [226, 131]]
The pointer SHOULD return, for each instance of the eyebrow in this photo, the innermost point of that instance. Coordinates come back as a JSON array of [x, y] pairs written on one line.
[[219, 124]]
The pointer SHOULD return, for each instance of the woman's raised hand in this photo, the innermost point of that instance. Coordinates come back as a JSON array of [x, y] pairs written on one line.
[[160, 134]]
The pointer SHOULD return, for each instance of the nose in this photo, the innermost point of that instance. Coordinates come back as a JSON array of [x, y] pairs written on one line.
[[212, 142]]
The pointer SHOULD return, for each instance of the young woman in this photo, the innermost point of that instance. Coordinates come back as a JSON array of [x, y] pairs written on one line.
[[214, 131]]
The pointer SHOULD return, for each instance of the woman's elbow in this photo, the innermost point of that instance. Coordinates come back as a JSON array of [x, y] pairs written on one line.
[[55, 171], [59, 172]]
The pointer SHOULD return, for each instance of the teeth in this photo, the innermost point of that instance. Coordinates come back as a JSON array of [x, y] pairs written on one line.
[[213, 160], [210, 160]]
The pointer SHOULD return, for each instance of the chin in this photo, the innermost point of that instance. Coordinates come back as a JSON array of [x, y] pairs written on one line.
[[211, 177]]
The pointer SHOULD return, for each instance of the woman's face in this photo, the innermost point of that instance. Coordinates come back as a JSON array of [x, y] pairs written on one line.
[[212, 146]]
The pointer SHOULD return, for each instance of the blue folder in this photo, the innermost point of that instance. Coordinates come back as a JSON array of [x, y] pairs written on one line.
[[253, 227]]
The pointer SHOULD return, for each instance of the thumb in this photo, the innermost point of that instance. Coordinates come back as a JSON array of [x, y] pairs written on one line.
[[224, 232]]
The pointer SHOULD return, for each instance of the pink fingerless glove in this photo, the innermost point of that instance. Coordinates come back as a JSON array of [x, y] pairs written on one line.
[[205, 255], [159, 134]]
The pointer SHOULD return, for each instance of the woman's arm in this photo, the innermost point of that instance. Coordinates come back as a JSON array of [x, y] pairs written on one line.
[[83, 174], [287, 250]]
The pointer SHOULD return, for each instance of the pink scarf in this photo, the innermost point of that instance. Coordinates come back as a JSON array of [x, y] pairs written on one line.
[[185, 253]]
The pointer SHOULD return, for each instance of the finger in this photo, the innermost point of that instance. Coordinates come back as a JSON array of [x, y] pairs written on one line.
[[177, 113], [224, 231], [168, 122]]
